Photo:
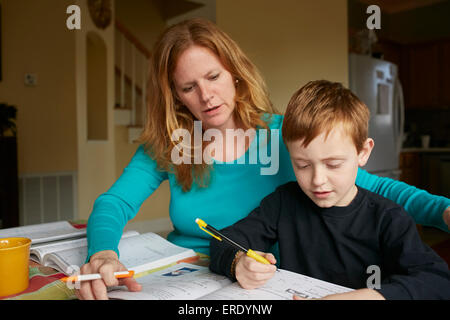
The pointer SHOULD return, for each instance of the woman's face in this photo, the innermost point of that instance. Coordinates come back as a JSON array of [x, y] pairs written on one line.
[[205, 87]]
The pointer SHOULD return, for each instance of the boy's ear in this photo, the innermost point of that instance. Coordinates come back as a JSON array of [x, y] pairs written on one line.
[[364, 154]]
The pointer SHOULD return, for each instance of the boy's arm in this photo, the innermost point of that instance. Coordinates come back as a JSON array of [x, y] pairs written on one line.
[[425, 208], [410, 269], [360, 294], [258, 231]]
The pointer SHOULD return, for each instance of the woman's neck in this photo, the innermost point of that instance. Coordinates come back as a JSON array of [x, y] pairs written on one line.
[[235, 141]]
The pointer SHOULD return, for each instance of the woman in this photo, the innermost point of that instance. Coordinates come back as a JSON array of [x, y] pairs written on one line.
[[199, 74]]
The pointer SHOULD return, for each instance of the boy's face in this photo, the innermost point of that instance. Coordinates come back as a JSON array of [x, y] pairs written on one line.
[[326, 170]]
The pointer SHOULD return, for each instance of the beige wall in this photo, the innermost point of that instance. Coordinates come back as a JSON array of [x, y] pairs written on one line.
[[142, 18], [35, 40], [52, 118], [96, 82], [145, 21], [96, 159], [290, 41], [157, 205]]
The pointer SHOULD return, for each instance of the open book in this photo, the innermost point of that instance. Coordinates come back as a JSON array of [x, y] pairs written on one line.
[[138, 252], [45, 232], [191, 282]]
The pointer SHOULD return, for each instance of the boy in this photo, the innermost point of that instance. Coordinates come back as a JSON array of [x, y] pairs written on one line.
[[327, 227]]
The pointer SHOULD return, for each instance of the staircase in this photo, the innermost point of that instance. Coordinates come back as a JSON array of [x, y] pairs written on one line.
[[131, 69]]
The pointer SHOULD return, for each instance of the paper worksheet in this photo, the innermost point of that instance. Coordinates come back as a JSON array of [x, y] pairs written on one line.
[[190, 282], [183, 281], [282, 286]]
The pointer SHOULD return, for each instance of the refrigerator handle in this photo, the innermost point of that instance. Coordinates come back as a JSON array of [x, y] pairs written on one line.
[[400, 110]]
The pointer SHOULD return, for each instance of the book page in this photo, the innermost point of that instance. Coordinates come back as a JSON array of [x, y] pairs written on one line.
[[139, 253], [149, 251], [282, 286], [44, 232], [183, 281], [39, 251]]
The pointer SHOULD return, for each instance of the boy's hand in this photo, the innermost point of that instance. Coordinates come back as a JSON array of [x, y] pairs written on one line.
[[252, 274]]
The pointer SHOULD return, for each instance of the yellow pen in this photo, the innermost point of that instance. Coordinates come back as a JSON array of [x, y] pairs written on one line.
[[216, 234]]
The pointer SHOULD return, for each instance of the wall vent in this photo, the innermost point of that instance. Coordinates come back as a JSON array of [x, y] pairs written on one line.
[[47, 197]]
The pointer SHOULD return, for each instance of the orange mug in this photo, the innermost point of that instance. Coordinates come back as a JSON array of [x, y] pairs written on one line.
[[14, 271]]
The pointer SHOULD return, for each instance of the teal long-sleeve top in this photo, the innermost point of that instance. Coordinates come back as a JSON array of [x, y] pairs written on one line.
[[235, 189]]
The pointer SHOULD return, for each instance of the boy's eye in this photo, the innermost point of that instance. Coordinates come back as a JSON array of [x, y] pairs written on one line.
[[302, 165], [334, 165]]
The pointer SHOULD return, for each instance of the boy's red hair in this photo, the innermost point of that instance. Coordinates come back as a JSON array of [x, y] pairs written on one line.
[[321, 105]]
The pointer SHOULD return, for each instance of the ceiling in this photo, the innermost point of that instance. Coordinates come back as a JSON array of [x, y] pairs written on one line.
[[396, 6]]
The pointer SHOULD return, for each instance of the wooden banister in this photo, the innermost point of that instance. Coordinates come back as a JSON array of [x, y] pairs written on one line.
[[127, 33]]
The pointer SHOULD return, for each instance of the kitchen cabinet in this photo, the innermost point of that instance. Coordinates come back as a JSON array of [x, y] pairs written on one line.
[[422, 89], [410, 168], [424, 71], [444, 51], [427, 169]]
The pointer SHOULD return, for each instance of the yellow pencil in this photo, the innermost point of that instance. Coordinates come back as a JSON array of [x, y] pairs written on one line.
[[216, 234]]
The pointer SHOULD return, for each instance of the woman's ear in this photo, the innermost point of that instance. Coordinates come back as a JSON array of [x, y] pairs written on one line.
[[364, 154]]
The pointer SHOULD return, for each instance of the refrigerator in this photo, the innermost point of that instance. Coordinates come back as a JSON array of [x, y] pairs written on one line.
[[377, 84]]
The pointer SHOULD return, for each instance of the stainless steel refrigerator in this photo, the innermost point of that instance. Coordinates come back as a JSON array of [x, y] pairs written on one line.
[[376, 83]]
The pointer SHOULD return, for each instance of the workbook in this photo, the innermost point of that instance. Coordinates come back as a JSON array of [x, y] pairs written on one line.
[[186, 281], [45, 232], [138, 252]]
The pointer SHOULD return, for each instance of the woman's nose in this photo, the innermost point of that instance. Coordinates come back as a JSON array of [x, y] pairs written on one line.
[[205, 93]]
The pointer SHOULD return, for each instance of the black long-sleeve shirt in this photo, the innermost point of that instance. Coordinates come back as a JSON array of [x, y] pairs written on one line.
[[338, 244]]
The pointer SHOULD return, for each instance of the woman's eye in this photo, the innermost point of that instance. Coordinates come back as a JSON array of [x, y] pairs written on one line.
[[214, 77], [188, 89]]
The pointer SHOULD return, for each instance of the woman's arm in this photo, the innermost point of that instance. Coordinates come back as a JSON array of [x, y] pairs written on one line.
[[114, 208], [425, 208]]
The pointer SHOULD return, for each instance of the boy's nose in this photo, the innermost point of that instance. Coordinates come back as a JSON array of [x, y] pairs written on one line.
[[319, 177]]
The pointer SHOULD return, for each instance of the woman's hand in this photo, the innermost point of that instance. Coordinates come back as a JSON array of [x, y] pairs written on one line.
[[252, 274], [106, 263]]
